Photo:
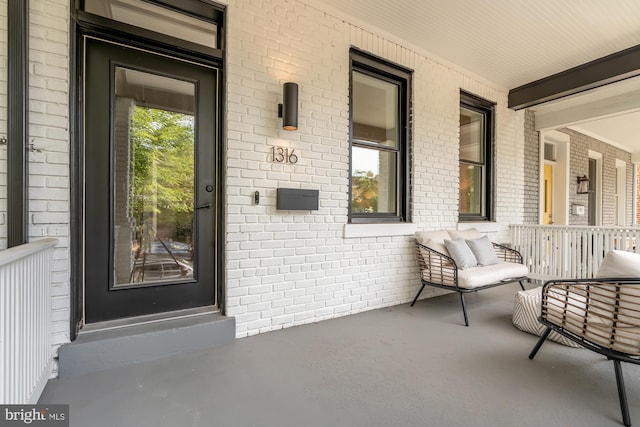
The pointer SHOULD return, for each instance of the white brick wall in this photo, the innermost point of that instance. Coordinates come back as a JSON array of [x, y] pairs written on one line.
[[283, 268], [286, 268], [49, 134]]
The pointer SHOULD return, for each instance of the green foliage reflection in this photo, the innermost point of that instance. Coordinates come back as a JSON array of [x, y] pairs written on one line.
[[162, 173], [364, 192]]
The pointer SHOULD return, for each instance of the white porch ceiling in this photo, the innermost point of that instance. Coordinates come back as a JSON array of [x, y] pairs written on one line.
[[512, 42]]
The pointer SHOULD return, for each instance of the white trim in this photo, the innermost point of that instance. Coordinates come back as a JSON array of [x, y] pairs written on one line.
[[560, 208], [621, 192], [22, 251], [634, 195], [379, 230], [598, 158]]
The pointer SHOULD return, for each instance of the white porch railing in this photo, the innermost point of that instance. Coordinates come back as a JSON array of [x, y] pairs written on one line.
[[25, 321], [570, 252]]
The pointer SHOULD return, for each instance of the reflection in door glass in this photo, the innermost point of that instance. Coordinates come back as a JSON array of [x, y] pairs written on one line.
[[153, 178]]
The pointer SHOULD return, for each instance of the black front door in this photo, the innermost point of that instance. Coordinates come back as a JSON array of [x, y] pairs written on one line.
[[150, 135]]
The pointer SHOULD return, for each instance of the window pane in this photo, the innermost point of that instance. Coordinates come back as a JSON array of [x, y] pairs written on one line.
[[471, 135], [375, 110], [373, 181], [155, 18], [471, 189]]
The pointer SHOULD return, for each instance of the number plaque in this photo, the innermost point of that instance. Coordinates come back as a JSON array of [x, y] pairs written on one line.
[[283, 155]]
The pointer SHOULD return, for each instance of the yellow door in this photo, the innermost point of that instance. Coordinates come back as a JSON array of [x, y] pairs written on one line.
[[548, 194]]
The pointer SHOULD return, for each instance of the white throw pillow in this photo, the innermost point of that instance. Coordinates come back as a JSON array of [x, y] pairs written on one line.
[[619, 264], [461, 254], [482, 249]]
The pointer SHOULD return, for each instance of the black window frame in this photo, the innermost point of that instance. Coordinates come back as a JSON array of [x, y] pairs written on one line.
[[382, 69], [487, 109]]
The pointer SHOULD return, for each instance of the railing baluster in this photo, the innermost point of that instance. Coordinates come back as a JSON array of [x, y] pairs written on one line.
[[25, 324], [565, 252]]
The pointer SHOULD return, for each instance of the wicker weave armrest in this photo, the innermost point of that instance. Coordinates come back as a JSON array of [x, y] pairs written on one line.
[[506, 253], [604, 313], [436, 267]]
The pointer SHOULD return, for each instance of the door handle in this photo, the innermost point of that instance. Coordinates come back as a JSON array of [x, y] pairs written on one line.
[[205, 206]]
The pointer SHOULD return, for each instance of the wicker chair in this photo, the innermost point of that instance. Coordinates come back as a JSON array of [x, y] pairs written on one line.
[[440, 270], [602, 315]]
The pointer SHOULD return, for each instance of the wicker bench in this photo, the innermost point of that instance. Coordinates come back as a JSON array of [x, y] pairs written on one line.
[[439, 269]]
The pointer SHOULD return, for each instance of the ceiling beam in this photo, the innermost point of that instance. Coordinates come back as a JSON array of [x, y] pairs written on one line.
[[571, 115], [608, 69]]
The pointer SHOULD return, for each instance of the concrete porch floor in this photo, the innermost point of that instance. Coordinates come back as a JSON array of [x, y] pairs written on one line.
[[399, 366]]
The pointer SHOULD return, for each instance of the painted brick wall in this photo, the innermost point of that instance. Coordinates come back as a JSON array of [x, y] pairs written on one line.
[[579, 166], [531, 170], [49, 134], [285, 268]]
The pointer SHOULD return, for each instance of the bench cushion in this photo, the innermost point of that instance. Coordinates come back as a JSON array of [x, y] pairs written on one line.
[[433, 240], [470, 233], [476, 277]]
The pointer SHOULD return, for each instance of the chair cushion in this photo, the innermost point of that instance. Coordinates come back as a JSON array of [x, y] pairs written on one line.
[[619, 264], [433, 240], [482, 249], [471, 233], [461, 253], [475, 277]]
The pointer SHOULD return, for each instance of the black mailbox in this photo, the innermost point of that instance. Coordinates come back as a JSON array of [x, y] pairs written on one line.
[[296, 199]]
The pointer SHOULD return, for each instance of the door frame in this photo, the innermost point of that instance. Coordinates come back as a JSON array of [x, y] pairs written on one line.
[[621, 193], [89, 24], [560, 185], [595, 191]]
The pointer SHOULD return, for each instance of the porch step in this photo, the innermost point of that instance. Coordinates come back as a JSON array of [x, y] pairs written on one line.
[[122, 342]]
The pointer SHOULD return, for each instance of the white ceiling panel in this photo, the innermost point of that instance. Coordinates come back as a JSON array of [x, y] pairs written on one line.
[[507, 42], [514, 42]]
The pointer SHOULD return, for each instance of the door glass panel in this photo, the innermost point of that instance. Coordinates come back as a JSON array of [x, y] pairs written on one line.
[[155, 18], [153, 175], [3, 125]]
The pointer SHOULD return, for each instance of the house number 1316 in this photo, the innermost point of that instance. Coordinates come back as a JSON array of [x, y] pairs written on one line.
[[283, 155]]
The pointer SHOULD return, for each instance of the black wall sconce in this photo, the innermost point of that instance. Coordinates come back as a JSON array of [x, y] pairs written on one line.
[[288, 110], [583, 185]]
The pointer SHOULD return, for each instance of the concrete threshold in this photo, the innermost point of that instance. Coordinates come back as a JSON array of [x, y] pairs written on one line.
[[121, 342]]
